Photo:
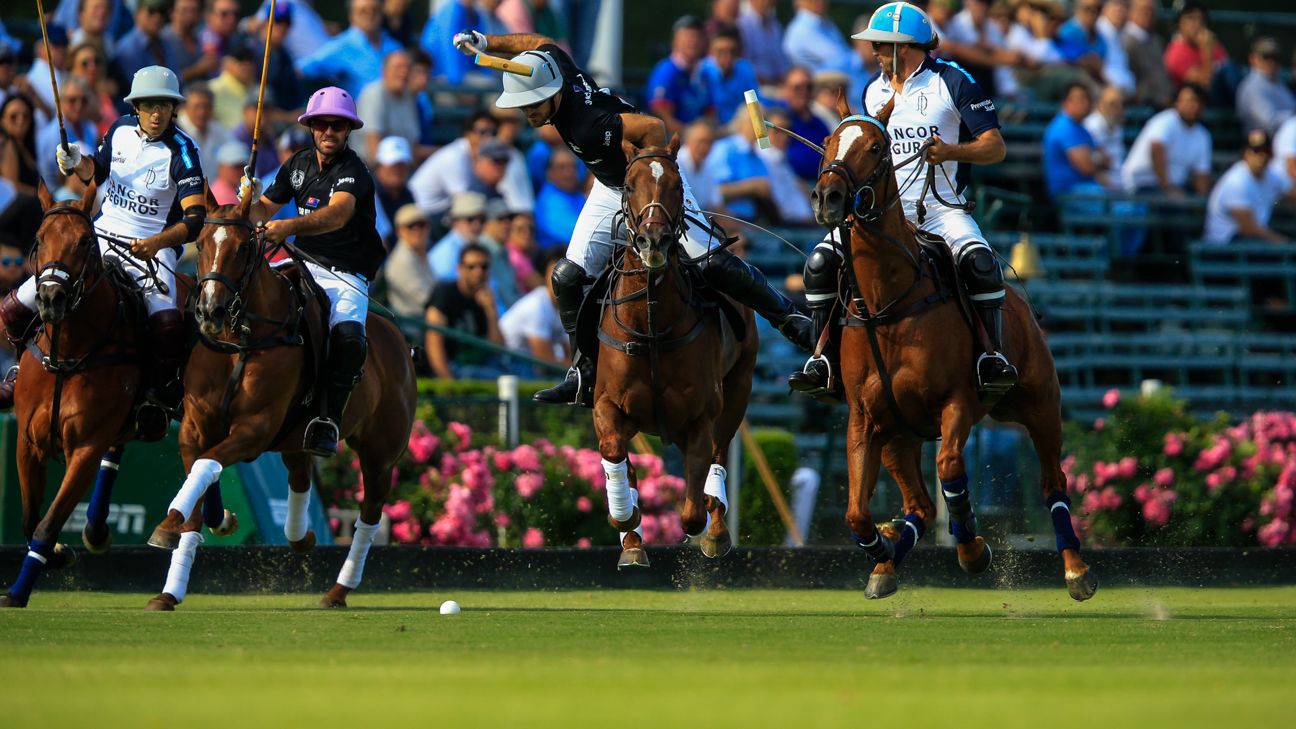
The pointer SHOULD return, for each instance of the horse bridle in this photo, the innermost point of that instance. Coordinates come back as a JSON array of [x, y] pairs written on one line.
[[635, 221], [856, 189], [56, 273], [250, 248]]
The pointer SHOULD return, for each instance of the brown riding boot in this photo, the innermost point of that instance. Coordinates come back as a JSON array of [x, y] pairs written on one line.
[[17, 320]]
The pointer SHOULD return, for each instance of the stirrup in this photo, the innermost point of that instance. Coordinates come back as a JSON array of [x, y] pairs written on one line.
[[311, 437], [11, 374], [998, 386], [824, 391]]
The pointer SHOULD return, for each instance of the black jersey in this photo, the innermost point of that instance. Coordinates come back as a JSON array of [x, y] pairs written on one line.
[[355, 247], [589, 120]]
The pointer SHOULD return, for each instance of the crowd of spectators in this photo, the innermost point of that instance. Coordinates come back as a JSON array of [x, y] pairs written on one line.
[[473, 224]]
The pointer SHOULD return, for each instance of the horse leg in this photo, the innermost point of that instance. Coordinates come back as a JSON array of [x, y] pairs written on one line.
[[96, 536], [376, 468], [182, 559], [245, 441], [1046, 434], [974, 554], [863, 460], [614, 433], [903, 459], [705, 483], [43, 550], [300, 538]]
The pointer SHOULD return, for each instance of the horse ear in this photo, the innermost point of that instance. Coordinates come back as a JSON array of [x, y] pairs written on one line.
[[629, 149], [674, 144], [843, 106], [43, 194], [209, 198], [88, 197], [245, 207], [884, 116]]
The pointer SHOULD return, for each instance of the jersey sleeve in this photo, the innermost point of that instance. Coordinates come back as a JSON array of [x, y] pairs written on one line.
[[353, 178], [975, 108], [186, 168], [103, 154], [280, 191]]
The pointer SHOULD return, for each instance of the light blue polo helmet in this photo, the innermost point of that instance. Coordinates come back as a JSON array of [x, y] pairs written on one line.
[[898, 23]]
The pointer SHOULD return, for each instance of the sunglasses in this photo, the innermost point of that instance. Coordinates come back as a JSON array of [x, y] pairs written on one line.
[[323, 125], [12, 260], [154, 107], [477, 266]]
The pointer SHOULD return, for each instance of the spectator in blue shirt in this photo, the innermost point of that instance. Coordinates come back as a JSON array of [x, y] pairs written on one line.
[[353, 58], [1072, 162], [762, 40], [144, 45], [797, 92], [560, 200], [467, 218], [814, 41], [677, 91], [727, 74], [281, 76], [1079, 41], [740, 174], [448, 63]]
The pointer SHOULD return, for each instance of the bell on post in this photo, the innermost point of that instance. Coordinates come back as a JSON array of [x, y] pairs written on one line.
[[1025, 260]]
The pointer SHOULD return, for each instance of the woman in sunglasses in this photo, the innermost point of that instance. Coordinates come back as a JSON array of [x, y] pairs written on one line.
[[152, 183], [334, 226]]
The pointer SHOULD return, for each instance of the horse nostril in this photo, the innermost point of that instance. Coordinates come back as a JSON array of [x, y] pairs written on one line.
[[834, 197]]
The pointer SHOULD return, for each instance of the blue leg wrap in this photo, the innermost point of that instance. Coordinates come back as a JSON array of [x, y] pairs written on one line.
[[38, 553], [879, 547], [909, 536], [213, 506], [962, 522], [101, 497], [1059, 505]]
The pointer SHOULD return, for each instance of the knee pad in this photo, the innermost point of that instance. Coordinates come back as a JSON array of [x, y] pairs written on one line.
[[821, 271], [980, 270], [348, 348], [569, 281]]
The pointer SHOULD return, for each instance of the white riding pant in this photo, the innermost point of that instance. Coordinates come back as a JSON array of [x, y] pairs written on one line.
[[156, 299], [592, 243], [348, 294], [956, 226]]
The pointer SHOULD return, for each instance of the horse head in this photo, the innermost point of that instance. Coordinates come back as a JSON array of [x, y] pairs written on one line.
[[66, 253], [653, 201], [227, 252], [857, 172]]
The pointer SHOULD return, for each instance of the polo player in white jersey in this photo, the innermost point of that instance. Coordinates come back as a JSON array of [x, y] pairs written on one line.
[[153, 203], [937, 104]]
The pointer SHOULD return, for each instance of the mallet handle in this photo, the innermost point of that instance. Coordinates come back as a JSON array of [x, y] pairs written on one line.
[[757, 118], [502, 64]]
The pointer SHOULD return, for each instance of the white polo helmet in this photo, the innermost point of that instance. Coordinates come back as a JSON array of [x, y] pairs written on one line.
[[155, 82], [545, 81]]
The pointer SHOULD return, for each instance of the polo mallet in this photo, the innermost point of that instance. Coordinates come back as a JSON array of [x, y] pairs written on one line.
[[265, 65], [49, 61], [500, 64], [760, 124]]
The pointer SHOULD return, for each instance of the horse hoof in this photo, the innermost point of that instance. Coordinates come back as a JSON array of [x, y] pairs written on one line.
[[881, 585], [1082, 586], [977, 565], [12, 601], [163, 603], [633, 557], [96, 540], [305, 544], [629, 524], [228, 525], [164, 539], [714, 547], [62, 558], [335, 597]]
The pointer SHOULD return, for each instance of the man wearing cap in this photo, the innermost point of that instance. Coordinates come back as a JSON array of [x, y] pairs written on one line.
[[1243, 200], [490, 167], [392, 175], [144, 45], [335, 230], [467, 218], [937, 106], [1263, 100], [152, 185], [407, 273], [593, 123]]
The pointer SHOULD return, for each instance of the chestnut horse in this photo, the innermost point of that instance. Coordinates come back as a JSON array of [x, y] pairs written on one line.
[[907, 363], [81, 375], [669, 364], [246, 393]]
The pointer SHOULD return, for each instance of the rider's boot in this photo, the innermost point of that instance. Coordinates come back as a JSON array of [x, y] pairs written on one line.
[[744, 283], [577, 388], [819, 377], [985, 286], [17, 320], [348, 348], [163, 365]]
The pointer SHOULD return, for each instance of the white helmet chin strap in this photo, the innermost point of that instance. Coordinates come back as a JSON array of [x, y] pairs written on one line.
[[895, 60]]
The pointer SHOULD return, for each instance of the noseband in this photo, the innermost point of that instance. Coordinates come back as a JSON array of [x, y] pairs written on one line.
[[56, 273], [649, 212], [249, 267], [856, 188]]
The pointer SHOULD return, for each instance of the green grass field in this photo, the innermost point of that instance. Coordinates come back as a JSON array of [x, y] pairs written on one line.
[[926, 657]]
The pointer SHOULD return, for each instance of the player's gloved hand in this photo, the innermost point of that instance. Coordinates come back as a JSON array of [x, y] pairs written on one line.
[[469, 41], [249, 187], [68, 157]]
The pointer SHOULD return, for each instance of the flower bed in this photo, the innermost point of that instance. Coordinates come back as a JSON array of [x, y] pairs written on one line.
[[1150, 474]]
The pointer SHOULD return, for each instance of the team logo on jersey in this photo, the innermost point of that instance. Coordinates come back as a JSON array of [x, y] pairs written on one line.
[[986, 105], [298, 179], [150, 178], [922, 104], [607, 139], [312, 202]]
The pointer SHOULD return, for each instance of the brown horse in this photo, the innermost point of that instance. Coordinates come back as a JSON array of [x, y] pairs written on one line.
[[670, 364], [80, 378], [246, 393], [906, 367]]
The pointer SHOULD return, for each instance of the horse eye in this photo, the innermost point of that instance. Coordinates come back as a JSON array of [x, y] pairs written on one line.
[[629, 190], [876, 149]]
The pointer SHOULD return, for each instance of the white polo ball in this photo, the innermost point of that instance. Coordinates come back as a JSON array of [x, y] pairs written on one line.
[[449, 607]]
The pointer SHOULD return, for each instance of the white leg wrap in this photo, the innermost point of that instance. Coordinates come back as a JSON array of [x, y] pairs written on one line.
[[634, 501], [27, 293], [204, 473], [353, 568], [620, 506], [715, 485], [182, 559], [296, 522]]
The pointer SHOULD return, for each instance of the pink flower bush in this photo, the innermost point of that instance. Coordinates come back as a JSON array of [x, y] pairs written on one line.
[[1111, 398], [533, 538]]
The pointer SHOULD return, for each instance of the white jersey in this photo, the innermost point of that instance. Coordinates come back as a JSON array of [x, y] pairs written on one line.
[[144, 180], [1238, 189], [939, 99]]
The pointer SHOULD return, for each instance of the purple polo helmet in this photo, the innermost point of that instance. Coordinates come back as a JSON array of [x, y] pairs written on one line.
[[331, 101]]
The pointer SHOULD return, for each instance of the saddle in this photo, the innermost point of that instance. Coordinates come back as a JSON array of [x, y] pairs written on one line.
[[313, 330], [941, 259]]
